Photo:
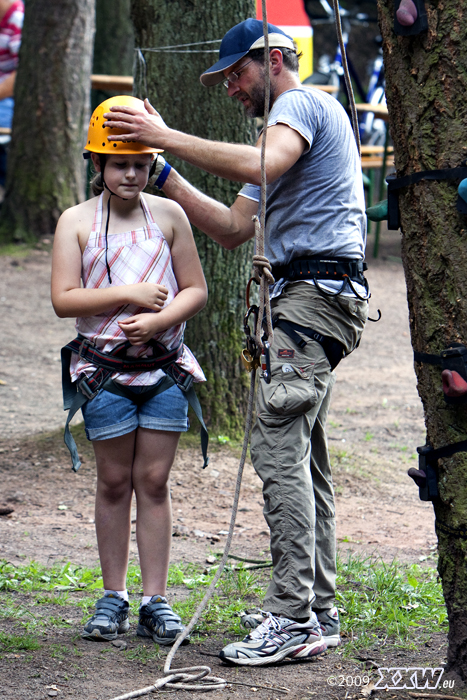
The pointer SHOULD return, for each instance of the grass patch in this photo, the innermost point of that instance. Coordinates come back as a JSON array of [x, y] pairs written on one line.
[[14, 643], [380, 604]]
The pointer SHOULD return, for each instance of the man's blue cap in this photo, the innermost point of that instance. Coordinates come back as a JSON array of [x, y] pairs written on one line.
[[238, 41]]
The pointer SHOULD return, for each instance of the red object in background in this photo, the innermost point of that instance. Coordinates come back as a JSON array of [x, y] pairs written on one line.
[[280, 13]]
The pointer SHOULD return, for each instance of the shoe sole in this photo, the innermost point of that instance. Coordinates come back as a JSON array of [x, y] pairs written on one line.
[[142, 631], [97, 636], [301, 651]]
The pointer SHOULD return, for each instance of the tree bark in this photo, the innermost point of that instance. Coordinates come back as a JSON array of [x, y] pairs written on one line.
[[113, 44], [45, 164], [173, 87], [426, 87]]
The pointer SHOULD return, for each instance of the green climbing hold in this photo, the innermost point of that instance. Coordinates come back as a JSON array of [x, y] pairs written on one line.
[[462, 189], [379, 211]]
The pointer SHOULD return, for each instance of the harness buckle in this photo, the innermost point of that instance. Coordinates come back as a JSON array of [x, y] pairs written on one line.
[[85, 343], [85, 388]]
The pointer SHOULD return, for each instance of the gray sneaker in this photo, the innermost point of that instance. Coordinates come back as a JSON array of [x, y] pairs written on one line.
[[158, 620], [109, 620], [330, 628]]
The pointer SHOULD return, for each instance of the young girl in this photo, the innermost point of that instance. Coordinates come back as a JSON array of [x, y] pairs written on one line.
[[141, 280]]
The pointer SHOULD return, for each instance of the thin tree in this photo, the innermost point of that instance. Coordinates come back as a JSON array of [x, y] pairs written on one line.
[[113, 44], [426, 88], [170, 78], [45, 165]]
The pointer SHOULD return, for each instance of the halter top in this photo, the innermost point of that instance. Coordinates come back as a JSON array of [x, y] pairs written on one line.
[[142, 255]]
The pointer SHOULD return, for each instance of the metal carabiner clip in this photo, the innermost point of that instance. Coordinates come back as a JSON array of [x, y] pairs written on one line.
[[266, 363]]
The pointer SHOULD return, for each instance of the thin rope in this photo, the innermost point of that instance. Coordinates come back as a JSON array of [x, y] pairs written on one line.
[[177, 678], [261, 265], [348, 82]]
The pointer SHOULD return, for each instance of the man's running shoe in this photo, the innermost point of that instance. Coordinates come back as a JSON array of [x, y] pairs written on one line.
[[275, 639], [109, 620], [330, 628], [158, 620]]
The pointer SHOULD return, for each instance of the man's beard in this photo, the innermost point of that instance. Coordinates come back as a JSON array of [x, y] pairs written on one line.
[[256, 97]]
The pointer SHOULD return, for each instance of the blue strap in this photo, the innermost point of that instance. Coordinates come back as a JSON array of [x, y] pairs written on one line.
[[160, 182]]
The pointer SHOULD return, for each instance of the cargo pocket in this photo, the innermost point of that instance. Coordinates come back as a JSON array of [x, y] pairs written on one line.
[[292, 389]]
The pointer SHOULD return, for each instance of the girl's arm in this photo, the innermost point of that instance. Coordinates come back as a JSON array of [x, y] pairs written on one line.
[[69, 299], [193, 292]]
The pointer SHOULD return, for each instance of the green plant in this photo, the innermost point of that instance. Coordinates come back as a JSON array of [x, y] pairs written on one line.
[[14, 642]]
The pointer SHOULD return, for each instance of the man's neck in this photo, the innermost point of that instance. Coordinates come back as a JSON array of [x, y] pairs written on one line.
[[285, 81]]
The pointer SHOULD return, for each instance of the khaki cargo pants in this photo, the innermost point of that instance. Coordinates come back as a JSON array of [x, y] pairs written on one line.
[[290, 454]]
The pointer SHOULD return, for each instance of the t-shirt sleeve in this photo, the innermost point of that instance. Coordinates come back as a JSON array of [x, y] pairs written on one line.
[[295, 109], [252, 192]]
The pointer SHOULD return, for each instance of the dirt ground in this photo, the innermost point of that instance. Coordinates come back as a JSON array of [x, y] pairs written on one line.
[[375, 425]]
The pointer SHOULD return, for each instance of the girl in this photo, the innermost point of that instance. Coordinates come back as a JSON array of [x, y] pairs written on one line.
[[141, 280]]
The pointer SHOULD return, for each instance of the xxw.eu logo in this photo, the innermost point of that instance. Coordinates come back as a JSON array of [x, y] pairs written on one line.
[[409, 678]]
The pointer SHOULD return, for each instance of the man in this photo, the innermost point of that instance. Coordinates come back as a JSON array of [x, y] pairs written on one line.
[[315, 212]]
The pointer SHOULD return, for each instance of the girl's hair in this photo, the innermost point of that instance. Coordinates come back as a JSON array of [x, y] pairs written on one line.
[[96, 184]]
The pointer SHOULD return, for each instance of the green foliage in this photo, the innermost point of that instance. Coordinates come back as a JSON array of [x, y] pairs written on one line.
[[13, 643], [379, 601]]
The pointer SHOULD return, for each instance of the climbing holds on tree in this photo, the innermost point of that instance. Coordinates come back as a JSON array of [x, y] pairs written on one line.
[[378, 212], [410, 17]]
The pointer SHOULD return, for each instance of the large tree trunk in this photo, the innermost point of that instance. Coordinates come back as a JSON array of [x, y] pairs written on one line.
[[45, 164], [113, 44], [426, 88], [173, 86]]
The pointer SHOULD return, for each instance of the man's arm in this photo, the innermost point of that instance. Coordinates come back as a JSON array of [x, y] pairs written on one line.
[[232, 161], [230, 227]]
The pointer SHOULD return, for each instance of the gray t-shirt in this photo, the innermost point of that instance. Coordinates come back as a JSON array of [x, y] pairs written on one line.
[[317, 208]]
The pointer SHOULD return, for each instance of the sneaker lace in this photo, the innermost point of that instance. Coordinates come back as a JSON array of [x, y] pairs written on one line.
[[264, 628]]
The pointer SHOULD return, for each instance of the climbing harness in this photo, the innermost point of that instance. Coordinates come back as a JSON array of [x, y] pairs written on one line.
[[333, 349], [397, 183], [76, 394], [339, 270]]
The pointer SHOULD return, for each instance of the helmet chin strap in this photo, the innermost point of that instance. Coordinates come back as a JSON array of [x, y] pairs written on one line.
[[125, 199], [102, 164]]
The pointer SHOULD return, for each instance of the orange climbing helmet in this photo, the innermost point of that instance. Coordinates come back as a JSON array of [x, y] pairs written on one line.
[[97, 141]]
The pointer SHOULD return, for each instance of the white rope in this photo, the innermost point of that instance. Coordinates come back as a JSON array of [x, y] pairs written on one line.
[[348, 82], [178, 678], [174, 48], [189, 678]]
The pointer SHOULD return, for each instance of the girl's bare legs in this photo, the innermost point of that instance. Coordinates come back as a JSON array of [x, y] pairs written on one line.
[[154, 456], [114, 459]]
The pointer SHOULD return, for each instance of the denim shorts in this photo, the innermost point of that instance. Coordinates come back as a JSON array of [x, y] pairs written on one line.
[[108, 415]]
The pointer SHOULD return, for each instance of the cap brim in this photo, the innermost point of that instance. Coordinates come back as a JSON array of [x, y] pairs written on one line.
[[215, 74]]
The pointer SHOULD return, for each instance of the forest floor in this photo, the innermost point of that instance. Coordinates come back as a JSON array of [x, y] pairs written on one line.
[[375, 425]]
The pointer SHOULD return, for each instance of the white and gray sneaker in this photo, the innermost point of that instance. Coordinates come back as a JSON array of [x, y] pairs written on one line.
[[330, 628], [275, 639]]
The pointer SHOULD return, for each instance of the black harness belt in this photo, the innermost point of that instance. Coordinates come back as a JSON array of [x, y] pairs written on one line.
[[334, 350], [75, 394], [316, 268], [396, 183]]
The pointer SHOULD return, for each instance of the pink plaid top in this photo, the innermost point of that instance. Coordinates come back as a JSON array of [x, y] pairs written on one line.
[[136, 256], [10, 38]]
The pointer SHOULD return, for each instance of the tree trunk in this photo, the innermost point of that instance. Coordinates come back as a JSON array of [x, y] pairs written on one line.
[[113, 44], [172, 85], [45, 164], [426, 87]]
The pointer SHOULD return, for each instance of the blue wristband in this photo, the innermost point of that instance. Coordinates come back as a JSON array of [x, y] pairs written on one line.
[[159, 183]]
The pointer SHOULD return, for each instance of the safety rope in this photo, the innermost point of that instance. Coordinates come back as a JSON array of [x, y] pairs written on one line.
[[190, 678], [348, 82], [261, 265]]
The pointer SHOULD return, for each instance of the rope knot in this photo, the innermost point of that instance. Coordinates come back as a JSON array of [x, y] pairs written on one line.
[[262, 267]]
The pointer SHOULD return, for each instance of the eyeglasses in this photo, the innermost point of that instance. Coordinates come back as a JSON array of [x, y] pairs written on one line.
[[233, 78]]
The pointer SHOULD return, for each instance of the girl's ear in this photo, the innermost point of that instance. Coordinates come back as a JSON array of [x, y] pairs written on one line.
[[96, 162]]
